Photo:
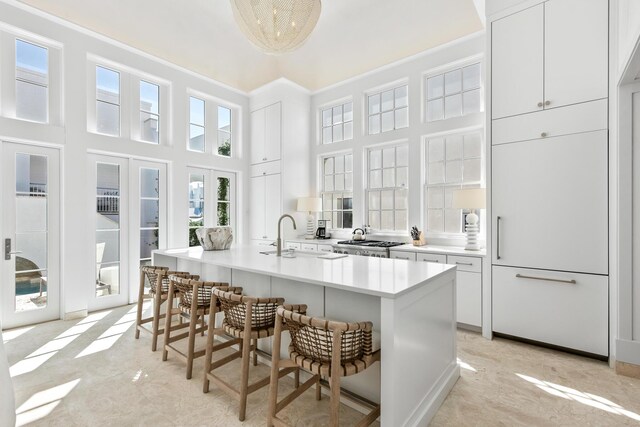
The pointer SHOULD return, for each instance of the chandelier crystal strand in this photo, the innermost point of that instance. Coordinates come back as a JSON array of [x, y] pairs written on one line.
[[276, 26]]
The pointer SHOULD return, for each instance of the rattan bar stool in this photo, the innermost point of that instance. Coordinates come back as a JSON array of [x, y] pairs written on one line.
[[158, 278], [194, 304], [323, 348], [246, 319]]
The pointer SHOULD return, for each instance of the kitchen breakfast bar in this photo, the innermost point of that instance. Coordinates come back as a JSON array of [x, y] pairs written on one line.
[[411, 305]]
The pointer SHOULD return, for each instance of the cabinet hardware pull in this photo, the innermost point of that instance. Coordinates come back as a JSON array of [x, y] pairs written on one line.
[[464, 263], [540, 104], [498, 237], [543, 134], [520, 276], [431, 260], [547, 102], [264, 158], [264, 173]]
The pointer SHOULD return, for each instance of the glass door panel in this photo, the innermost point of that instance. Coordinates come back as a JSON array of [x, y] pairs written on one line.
[[107, 229]]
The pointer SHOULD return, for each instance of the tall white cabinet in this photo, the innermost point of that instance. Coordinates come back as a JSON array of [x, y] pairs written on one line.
[[549, 174], [279, 155]]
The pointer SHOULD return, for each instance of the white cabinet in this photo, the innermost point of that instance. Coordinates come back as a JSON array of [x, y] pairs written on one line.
[[325, 248], [292, 245], [550, 203], [564, 309], [550, 55], [409, 256], [266, 206], [427, 257], [266, 134]]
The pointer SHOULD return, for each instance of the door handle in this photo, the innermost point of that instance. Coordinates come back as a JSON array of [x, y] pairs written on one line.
[[498, 237], [7, 250]]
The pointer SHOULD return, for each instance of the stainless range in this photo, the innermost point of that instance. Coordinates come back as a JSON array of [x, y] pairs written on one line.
[[373, 248]]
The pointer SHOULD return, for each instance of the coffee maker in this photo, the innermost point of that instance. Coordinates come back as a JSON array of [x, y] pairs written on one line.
[[321, 232]]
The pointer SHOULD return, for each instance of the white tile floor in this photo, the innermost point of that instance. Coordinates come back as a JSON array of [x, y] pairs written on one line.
[[92, 372]]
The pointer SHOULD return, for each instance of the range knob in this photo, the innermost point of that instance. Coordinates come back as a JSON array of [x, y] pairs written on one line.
[[359, 253]]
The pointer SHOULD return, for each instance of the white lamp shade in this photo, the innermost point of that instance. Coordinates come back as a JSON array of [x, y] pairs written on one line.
[[309, 204], [471, 198]]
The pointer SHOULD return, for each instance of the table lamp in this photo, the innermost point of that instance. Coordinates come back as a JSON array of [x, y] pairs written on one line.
[[310, 205], [471, 198]]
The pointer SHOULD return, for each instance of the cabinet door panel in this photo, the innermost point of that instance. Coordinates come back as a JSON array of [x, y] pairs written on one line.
[[572, 315], [469, 298], [257, 135], [517, 63], [273, 205], [576, 51], [272, 133], [551, 196], [256, 210]]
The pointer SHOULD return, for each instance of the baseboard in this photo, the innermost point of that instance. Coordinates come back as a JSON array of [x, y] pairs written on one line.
[[75, 315], [628, 369], [431, 403], [628, 351]]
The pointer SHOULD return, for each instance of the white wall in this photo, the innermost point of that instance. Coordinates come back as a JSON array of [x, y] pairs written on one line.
[[412, 70], [77, 247]]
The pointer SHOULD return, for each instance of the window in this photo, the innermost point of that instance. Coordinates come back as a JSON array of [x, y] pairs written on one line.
[[337, 197], [453, 94], [387, 194], [223, 201], [149, 112], [32, 81], [149, 213], [107, 101], [337, 123], [388, 110], [108, 229], [224, 131], [196, 206], [453, 162], [196, 124]]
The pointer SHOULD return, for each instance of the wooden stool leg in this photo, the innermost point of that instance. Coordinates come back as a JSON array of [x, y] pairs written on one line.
[[157, 303], [193, 324], [246, 348], [140, 303], [208, 355], [168, 320], [318, 388], [334, 379], [202, 324], [275, 374], [255, 352], [296, 378]]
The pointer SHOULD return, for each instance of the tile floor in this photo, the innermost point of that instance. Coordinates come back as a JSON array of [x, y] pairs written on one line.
[[92, 372]]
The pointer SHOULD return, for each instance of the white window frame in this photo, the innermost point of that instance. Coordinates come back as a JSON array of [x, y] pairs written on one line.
[[119, 104], [395, 189], [394, 110], [203, 126], [452, 185], [211, 105], [331, 194], [210, 197], [442, 71], [333, 125], [142, 111]]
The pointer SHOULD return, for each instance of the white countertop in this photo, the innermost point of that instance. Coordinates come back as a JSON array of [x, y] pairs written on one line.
[[434, 249], [381, 277]]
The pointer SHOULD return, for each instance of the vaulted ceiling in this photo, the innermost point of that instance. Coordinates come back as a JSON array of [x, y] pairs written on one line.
[[352, 36]]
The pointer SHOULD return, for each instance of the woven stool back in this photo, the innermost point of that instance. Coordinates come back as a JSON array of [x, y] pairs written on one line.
[[152, 274], [312, 337], [263, 312], [185, 286]]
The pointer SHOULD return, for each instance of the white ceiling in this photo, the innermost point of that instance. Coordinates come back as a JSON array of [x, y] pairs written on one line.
[[352, 36]]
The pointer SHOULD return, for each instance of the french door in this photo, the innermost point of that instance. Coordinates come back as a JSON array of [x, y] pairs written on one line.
[[128, 207], [30, 268]]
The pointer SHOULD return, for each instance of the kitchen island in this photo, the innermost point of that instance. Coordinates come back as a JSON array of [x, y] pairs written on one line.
[[411, 305]]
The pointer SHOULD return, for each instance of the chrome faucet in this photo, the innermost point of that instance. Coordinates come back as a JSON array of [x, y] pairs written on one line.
[[279, 241]]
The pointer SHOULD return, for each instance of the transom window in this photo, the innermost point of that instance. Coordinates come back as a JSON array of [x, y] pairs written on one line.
[[224, 131], [453, 162], [107, 101], [337, 123], [149, 112], [32, 81], [196, 124], [388, 110], [337, 195], [387, 193], [454, 93]]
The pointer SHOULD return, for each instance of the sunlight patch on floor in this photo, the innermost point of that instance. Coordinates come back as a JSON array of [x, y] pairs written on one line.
[[14, 333], [589, 399], [111, 335], [42, 403], [465, 365]]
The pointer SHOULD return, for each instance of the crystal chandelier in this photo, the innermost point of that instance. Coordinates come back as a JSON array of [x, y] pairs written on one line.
[[276, 26]]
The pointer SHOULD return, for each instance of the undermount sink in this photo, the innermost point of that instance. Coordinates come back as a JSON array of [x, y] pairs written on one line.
[[289, 253]]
